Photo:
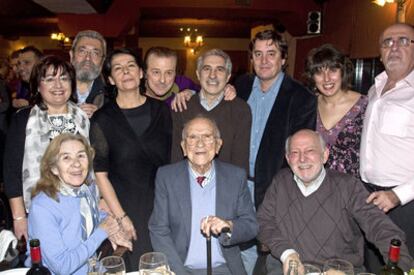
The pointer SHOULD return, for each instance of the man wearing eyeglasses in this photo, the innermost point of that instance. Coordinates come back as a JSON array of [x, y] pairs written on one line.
[[87, 56], [387, 143], [200, 197]]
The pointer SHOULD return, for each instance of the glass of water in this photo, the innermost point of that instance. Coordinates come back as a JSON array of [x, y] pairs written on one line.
[[153, 263], [338, 267], [112, 265]]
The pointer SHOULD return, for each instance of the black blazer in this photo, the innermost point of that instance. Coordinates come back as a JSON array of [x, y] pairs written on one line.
[[294, 109]]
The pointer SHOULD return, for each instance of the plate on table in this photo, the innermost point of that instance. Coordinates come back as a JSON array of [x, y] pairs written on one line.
[[15, 271]]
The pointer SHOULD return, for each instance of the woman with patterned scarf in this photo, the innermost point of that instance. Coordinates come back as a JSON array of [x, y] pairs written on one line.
[[64, 213], [53, 81]]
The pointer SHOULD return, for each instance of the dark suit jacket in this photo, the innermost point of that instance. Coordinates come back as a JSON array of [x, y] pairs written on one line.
[[98, 94], [170, 222], [294, 109]]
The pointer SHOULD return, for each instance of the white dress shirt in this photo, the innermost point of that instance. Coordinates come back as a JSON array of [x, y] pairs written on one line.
[[387, 142]]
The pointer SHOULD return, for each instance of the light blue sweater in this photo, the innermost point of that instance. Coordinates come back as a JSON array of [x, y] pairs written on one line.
[[58, 227]]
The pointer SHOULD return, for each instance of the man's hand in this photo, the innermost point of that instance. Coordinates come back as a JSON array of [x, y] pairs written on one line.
[[89, 109], [179, 102], [214, 225], [292, 257], [19, 103], [384, 200], [229, 92]]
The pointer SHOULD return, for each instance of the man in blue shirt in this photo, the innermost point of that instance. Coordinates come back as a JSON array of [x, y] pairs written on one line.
[[199, 197], [280, 106]]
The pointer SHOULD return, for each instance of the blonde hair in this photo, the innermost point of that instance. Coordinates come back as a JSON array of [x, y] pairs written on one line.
[[49, 183]]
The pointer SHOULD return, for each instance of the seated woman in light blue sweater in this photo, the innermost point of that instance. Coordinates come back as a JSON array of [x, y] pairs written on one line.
[[64, 213]]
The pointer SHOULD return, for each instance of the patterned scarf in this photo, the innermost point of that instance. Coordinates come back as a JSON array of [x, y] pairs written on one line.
[[88, 205], [38, 133]]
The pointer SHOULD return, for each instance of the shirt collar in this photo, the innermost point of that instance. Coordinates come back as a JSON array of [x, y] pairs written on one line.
[[381, 80], [209, 174], [311, 187], [204, 102], [85, 95], [278, 80]]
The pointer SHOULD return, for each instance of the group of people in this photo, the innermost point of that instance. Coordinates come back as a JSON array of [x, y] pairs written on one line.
[[110, 148]]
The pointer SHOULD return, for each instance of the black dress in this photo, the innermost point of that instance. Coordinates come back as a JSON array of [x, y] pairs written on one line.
[[131, 162]]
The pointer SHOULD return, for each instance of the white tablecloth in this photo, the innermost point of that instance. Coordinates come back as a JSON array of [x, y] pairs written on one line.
[[16, 271]]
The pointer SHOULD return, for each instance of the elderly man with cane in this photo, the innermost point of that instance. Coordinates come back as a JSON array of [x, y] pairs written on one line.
[[202, 197]]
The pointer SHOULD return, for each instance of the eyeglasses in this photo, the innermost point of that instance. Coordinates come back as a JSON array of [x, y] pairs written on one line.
[[205, 139], [51, 80], [83, 52], [400, 42]]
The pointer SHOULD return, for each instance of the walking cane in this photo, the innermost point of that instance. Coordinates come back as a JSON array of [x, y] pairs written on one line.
[[208, 240]]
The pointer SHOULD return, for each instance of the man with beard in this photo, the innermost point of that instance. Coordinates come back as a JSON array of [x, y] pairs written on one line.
[[387, 142], [87, 56]]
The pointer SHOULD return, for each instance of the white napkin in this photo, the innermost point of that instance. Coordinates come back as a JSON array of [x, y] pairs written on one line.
[[7, 241]]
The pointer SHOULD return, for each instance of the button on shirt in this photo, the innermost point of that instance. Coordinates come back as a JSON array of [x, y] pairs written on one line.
[[261, 103], [82, 97], [387, 142]]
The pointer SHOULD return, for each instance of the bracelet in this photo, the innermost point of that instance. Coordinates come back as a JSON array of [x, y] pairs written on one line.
[[119, 219], [19, 218]]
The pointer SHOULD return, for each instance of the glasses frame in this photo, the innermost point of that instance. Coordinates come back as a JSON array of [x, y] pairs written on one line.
[[402, 41], [94, 54], [206, 139]]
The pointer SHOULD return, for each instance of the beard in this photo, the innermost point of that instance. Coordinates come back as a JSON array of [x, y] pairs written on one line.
[[86, 74]]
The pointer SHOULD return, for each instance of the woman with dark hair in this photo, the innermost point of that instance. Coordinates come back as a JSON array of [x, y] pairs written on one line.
[[64, 213], [53, 82], [340, 110], [132, 138]]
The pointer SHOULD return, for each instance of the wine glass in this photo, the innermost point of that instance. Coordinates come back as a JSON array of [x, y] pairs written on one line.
[[310, 269], [338, 267], [112, 265], [153, 263]]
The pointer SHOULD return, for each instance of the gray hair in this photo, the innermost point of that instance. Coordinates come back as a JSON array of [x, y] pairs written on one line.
[[321, 140], [213, 123], [89, 34], [217, 52]]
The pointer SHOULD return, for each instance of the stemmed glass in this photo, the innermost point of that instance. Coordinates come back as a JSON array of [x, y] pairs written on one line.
[[338, 267], [112, 265], [311, 269], [153, 263]]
